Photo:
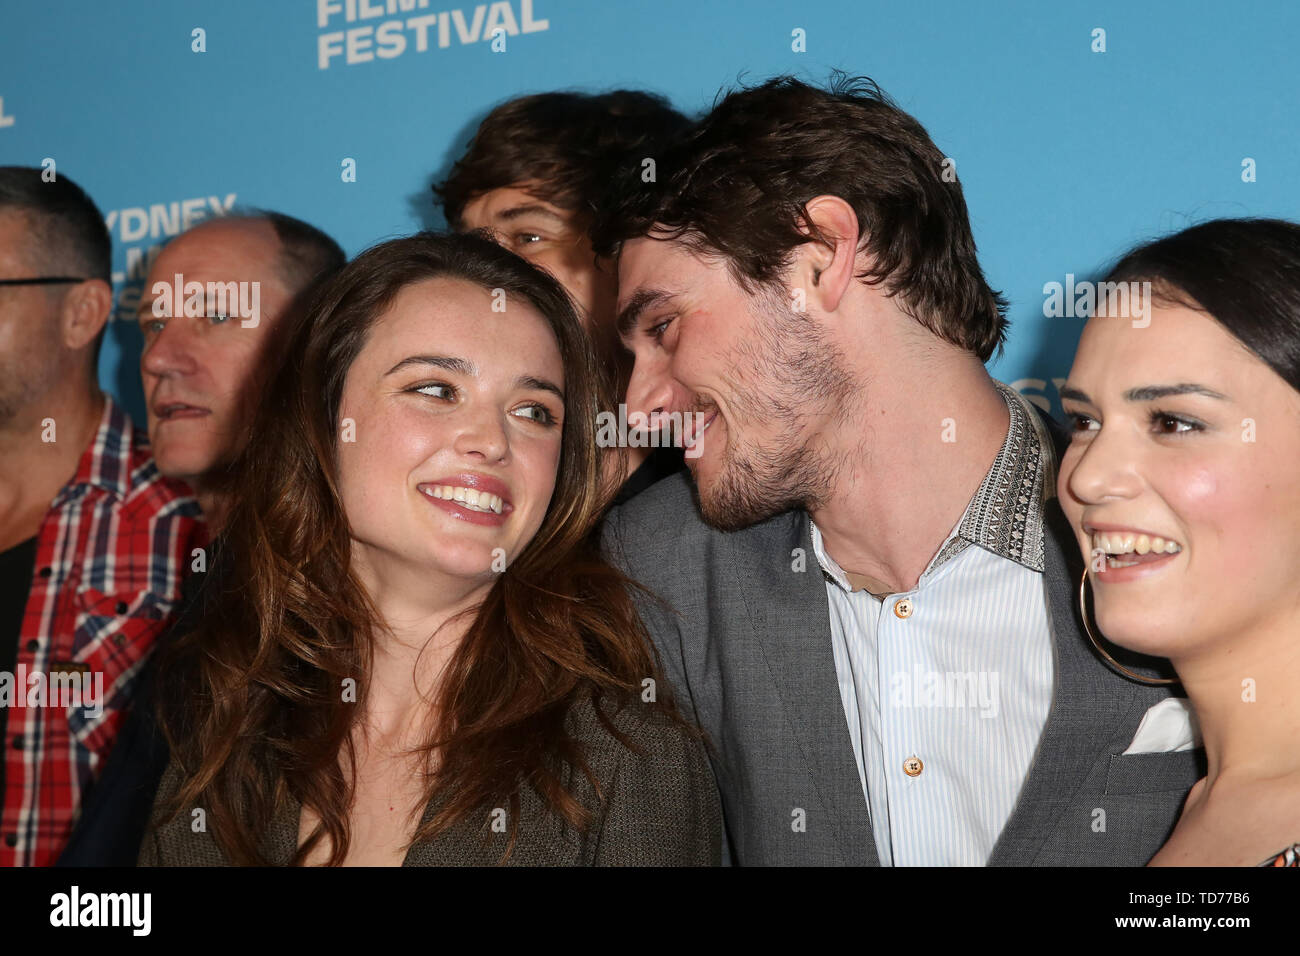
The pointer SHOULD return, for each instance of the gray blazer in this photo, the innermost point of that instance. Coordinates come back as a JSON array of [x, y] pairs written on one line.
[[660, 809], [748, 652]]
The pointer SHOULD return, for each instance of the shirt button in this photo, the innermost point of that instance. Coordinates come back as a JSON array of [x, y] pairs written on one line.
[[11, 839], [33, 645], [912, 766], [903, 608], [18, 742], [46, 572], [121, 607], [119, 639]]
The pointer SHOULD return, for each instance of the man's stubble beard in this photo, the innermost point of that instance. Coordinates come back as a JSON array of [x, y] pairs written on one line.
[[24, 384], [788, 373]]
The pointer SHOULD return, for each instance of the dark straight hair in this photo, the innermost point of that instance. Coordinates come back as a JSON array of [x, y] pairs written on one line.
[[1244, 272], [68, 236]]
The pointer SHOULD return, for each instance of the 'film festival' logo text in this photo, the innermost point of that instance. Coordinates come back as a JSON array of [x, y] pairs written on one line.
[[487, 22]]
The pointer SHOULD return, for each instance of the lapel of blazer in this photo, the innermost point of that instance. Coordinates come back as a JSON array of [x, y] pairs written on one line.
[[1088, 704], [790, 618]]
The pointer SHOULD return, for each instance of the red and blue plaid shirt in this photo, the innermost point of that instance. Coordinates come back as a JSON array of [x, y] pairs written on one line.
[[110, 556]]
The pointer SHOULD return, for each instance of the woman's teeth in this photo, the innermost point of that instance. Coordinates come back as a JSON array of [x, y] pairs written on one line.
[[469, 497], [1120, 547]]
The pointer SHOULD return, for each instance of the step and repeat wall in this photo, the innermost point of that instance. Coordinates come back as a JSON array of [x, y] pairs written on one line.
[[1076, 128]]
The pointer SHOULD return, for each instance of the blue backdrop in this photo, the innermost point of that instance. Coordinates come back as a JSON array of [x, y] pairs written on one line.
[[1077, 128]]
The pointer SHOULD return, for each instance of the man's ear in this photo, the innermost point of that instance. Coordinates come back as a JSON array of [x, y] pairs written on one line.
[[825, 267], [84, 311]]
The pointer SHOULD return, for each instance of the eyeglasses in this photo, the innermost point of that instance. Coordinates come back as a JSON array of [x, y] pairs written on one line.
[[42, 280]]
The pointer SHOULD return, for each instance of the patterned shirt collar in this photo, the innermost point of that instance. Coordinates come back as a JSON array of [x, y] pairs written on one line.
[[106, 462], [1005, 516]]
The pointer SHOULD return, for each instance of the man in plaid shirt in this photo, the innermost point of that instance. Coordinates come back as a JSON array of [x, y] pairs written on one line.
[[94, 541], [203, 378]]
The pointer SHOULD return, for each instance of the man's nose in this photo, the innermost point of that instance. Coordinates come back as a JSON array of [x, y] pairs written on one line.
[[650, 388], [172, 351]]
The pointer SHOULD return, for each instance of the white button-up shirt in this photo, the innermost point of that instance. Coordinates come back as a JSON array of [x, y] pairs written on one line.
[[947, 687]]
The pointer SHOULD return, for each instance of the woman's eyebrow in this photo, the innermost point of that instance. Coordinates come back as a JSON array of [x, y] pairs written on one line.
[[529, 381], [446, 362], [1148, 393], [466, 367]]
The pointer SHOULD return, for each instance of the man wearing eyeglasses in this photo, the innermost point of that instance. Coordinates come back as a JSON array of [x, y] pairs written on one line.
[[93, 540]]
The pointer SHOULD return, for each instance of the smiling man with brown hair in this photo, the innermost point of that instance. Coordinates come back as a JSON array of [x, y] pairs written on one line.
[[872, 581]]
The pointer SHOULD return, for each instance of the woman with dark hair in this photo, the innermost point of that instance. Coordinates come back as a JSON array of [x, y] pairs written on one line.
[[418, 655], [1182, 485]]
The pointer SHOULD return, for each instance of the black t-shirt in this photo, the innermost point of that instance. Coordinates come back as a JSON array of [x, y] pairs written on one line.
[[16, 567]]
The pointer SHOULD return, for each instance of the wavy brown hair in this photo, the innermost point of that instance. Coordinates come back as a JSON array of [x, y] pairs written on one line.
[[739, 182], [251, 700]]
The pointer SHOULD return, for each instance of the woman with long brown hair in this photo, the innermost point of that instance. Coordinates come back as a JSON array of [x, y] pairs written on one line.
[[416, 653]]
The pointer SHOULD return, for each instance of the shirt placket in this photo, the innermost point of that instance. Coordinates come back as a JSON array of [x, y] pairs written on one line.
[[903, 768]]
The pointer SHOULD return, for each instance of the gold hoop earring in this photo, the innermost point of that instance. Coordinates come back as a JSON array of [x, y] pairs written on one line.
[[1083, 612]]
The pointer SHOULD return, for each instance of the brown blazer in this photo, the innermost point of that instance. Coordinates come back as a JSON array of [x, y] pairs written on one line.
[[661, 808]]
